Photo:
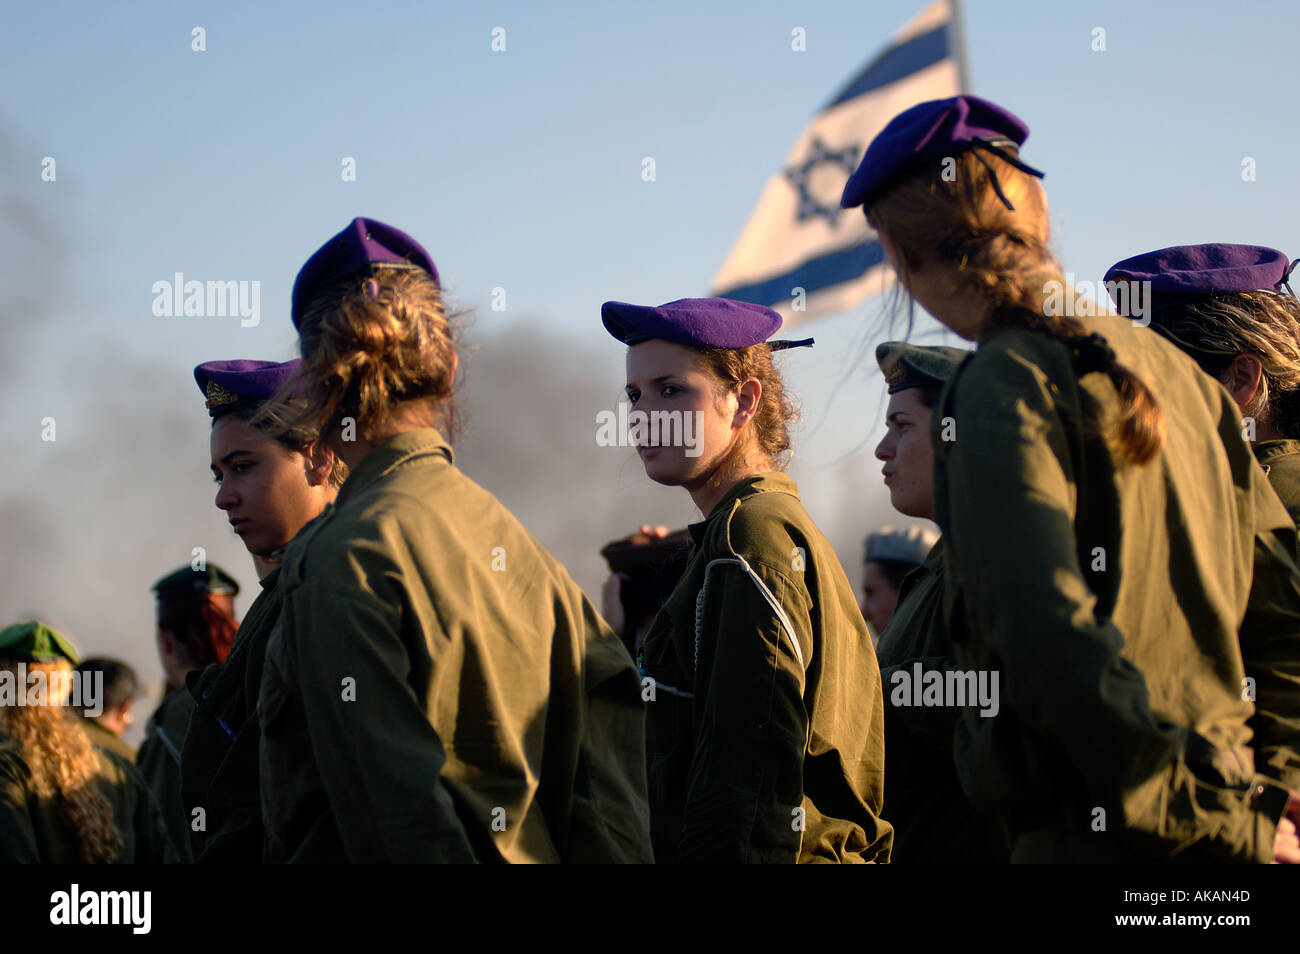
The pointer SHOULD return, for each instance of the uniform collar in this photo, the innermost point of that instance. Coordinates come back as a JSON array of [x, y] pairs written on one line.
[[421, 442], [1271, 450], [771, 481]]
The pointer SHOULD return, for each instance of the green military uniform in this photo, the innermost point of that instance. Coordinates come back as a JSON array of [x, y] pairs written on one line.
[[108, 740], [219, 762], [765, 733], [33, 831], [1116, 603], [439, 689], [1281, 462], [159, 761], [934, 821]]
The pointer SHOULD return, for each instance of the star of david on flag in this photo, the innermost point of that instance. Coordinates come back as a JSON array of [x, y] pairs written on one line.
[[800, 253]]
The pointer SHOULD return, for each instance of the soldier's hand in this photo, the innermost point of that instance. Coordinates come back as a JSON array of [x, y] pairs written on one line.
[[1286, 845], [652, 533]]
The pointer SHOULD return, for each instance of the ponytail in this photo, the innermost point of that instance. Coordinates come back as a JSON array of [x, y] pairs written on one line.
[[1001, 258]]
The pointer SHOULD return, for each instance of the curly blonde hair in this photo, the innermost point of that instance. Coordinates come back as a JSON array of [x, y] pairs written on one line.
[[1214, 329], [63, 764], [770, 426], [373, 342], [1000, 256]]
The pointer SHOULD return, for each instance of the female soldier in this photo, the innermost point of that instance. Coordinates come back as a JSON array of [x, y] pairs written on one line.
[[764, 732], [63, 799], [888, 555], [439, 688], [196, 626], [1103, 554], [933, 820], [1224, 306], [269, 488]]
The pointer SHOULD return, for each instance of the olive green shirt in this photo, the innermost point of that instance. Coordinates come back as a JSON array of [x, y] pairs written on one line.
[[107, 739], [219, 763], [159, 761], [439, 689], [1117, 602], [1281, 462], [32, 830], [765, 733], [934, 822]]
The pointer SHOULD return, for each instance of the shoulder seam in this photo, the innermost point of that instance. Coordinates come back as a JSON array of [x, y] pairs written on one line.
[[763, 590]]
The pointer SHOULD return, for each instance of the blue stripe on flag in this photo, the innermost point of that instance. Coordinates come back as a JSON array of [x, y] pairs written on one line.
[[897, 62], [833, 268]]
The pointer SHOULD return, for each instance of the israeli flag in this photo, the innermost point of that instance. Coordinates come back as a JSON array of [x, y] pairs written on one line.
[[800, 253]]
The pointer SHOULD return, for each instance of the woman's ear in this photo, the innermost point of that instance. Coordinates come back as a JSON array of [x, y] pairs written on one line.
[[1245, 373], [319, 463], [747, 397]]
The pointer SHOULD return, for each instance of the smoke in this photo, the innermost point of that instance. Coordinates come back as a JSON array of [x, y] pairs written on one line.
[[106, 486], [532, 397], [31, 252]]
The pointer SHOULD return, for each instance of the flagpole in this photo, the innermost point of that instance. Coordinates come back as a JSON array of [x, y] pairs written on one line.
[[958, 32]]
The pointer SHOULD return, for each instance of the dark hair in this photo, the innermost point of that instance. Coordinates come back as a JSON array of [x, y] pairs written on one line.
[[120, 682], [282, 421], [929, 394], [201, 623], [1000, 257], [893, 570]]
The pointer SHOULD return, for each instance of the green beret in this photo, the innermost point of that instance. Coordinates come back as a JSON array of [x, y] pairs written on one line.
[[35, 641], [188, 580], [911, 366]]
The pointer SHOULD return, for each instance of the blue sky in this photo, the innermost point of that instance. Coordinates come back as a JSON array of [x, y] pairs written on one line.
[[521, 170]]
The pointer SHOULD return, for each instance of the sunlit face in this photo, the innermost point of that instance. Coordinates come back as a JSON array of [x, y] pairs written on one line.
[[879, 597], [908, 454], [662, 377], [267, 491]]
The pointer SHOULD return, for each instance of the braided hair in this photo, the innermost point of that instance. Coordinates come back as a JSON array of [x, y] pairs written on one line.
[[994, 233]]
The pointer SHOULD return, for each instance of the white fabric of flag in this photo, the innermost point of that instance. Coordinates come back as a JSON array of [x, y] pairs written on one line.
[[800, 253]]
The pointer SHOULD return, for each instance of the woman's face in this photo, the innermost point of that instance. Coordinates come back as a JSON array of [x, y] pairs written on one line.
[[908, 454], [267, 491], [695, 425], [879, 597]]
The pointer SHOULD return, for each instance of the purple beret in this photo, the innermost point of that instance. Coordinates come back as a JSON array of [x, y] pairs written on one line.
[[703, 322], [939, 128], [230, 385], [364, 243], [1204, 270]]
